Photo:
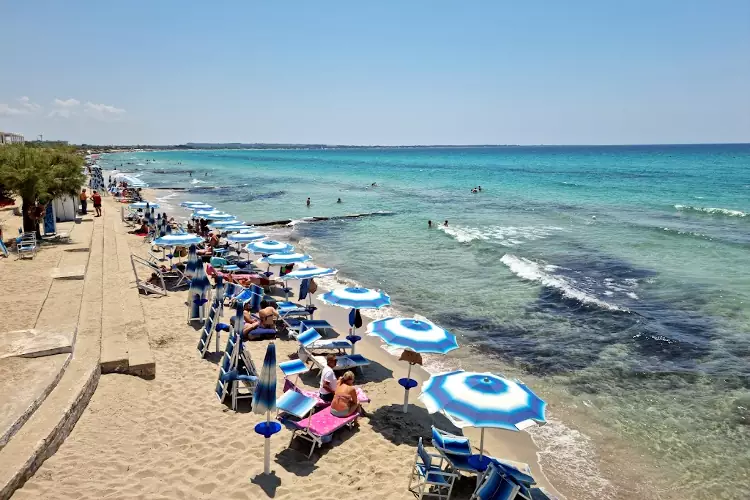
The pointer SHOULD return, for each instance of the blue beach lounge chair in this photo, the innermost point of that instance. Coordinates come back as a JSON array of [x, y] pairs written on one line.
[[428, 478], [493, 485], [237, 374]]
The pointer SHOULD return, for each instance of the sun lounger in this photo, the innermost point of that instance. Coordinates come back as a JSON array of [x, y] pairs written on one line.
[[159, 288], [237, 373], [319, 428], [292, 309], [428, 478], [493, 485], [456, 450], [210, 327], [362, 396], [297, 325], [313, 341], [345, 362]]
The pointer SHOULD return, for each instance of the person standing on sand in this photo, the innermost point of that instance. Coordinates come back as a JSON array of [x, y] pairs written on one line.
[[83, 198], [97, 203], [308, 202]]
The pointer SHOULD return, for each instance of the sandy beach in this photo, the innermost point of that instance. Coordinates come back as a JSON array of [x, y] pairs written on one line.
[[170, 438]]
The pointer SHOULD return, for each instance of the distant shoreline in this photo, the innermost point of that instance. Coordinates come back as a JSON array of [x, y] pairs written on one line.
[[190, 146]]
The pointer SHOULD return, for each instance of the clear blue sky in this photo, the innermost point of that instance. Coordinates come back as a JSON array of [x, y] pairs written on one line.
[[378, 72]]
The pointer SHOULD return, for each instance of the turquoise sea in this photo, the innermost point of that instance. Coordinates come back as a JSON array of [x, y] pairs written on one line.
[[613, 280]]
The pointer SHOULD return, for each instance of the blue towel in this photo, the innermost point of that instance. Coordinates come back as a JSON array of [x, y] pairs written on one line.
[[303, 289]]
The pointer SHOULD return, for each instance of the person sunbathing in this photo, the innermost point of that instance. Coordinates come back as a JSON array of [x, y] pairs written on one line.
[[251, 321], [141, 231], [345, 400], [268, 316]]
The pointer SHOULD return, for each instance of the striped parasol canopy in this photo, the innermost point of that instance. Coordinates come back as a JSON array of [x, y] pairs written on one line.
[[356, 298], [143, 204], [482, 400], [238, 228], [264, 401], [269, 247], [309, 272], [178, 240], [194, 204], [415, 334], [221, 224], [283, 259], [418, 335], [213, 215], [245, 237]]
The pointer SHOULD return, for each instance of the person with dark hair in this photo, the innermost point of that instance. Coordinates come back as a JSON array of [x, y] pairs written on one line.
[[97, 198]]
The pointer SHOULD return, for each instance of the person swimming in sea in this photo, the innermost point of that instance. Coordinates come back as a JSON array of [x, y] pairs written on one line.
[[445, 224], [429, 224], [308, 202], [338, 201]]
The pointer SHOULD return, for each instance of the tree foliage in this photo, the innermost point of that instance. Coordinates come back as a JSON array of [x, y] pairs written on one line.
[[38, 175]]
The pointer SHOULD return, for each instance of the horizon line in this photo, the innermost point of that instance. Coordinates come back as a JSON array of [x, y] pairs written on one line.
[[322, 145]]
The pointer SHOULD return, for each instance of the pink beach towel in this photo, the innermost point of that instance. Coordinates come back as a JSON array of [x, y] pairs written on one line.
[[289, 386], [324, 423]]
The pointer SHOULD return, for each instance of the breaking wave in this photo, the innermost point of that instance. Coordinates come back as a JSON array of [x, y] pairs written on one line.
[[507, 236], [713, 211], [531, 271]]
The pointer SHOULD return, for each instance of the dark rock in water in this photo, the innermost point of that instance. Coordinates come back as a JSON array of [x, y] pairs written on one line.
[[284, 222]]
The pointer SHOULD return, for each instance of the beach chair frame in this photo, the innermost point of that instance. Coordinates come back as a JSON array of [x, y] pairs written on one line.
[[26, 245], [510, 489], [314, 439], [422, 479], [209, 328], [145, 285]]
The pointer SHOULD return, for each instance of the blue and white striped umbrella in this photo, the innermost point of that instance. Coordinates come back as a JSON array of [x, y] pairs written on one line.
[[414, 334], [269, 247], [356, 298], [221, 224], [178, 240], [418, 335], [192, 262], [245, 237], [283, 259], [201, 206], [309, 272], [213, 215], [199, 286], [482, 400], [264, 401], [238, 228], [143, 204]]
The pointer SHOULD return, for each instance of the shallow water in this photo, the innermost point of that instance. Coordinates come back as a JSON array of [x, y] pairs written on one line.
[[614, 280]]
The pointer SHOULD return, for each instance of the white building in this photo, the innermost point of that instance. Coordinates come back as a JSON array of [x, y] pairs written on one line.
[[10, 138]]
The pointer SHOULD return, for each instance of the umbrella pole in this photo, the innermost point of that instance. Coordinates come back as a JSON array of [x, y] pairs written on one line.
[[481, 444], [406, 391], [267, 451]]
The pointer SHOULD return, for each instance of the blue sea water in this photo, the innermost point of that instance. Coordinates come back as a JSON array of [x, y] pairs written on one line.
[[613, 280]]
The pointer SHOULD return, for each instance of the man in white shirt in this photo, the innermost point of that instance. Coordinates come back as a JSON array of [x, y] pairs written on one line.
[[328, 379]]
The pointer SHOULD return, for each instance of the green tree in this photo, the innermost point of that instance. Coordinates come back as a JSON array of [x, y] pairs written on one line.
[[39, 175]]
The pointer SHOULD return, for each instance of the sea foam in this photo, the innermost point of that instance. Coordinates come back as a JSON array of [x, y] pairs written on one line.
[[531, 271], [713, 211]]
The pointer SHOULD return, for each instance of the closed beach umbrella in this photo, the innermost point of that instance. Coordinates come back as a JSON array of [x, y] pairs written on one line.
[[309, 272], [264, 401], [482, 400], [143, 204], [192, 262], [283, 259], [219, 290], [416, 335], [269, 247], [356, 298], [199, 286]]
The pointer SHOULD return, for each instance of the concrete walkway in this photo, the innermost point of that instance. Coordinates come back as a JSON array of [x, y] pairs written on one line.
[[108, 333]]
